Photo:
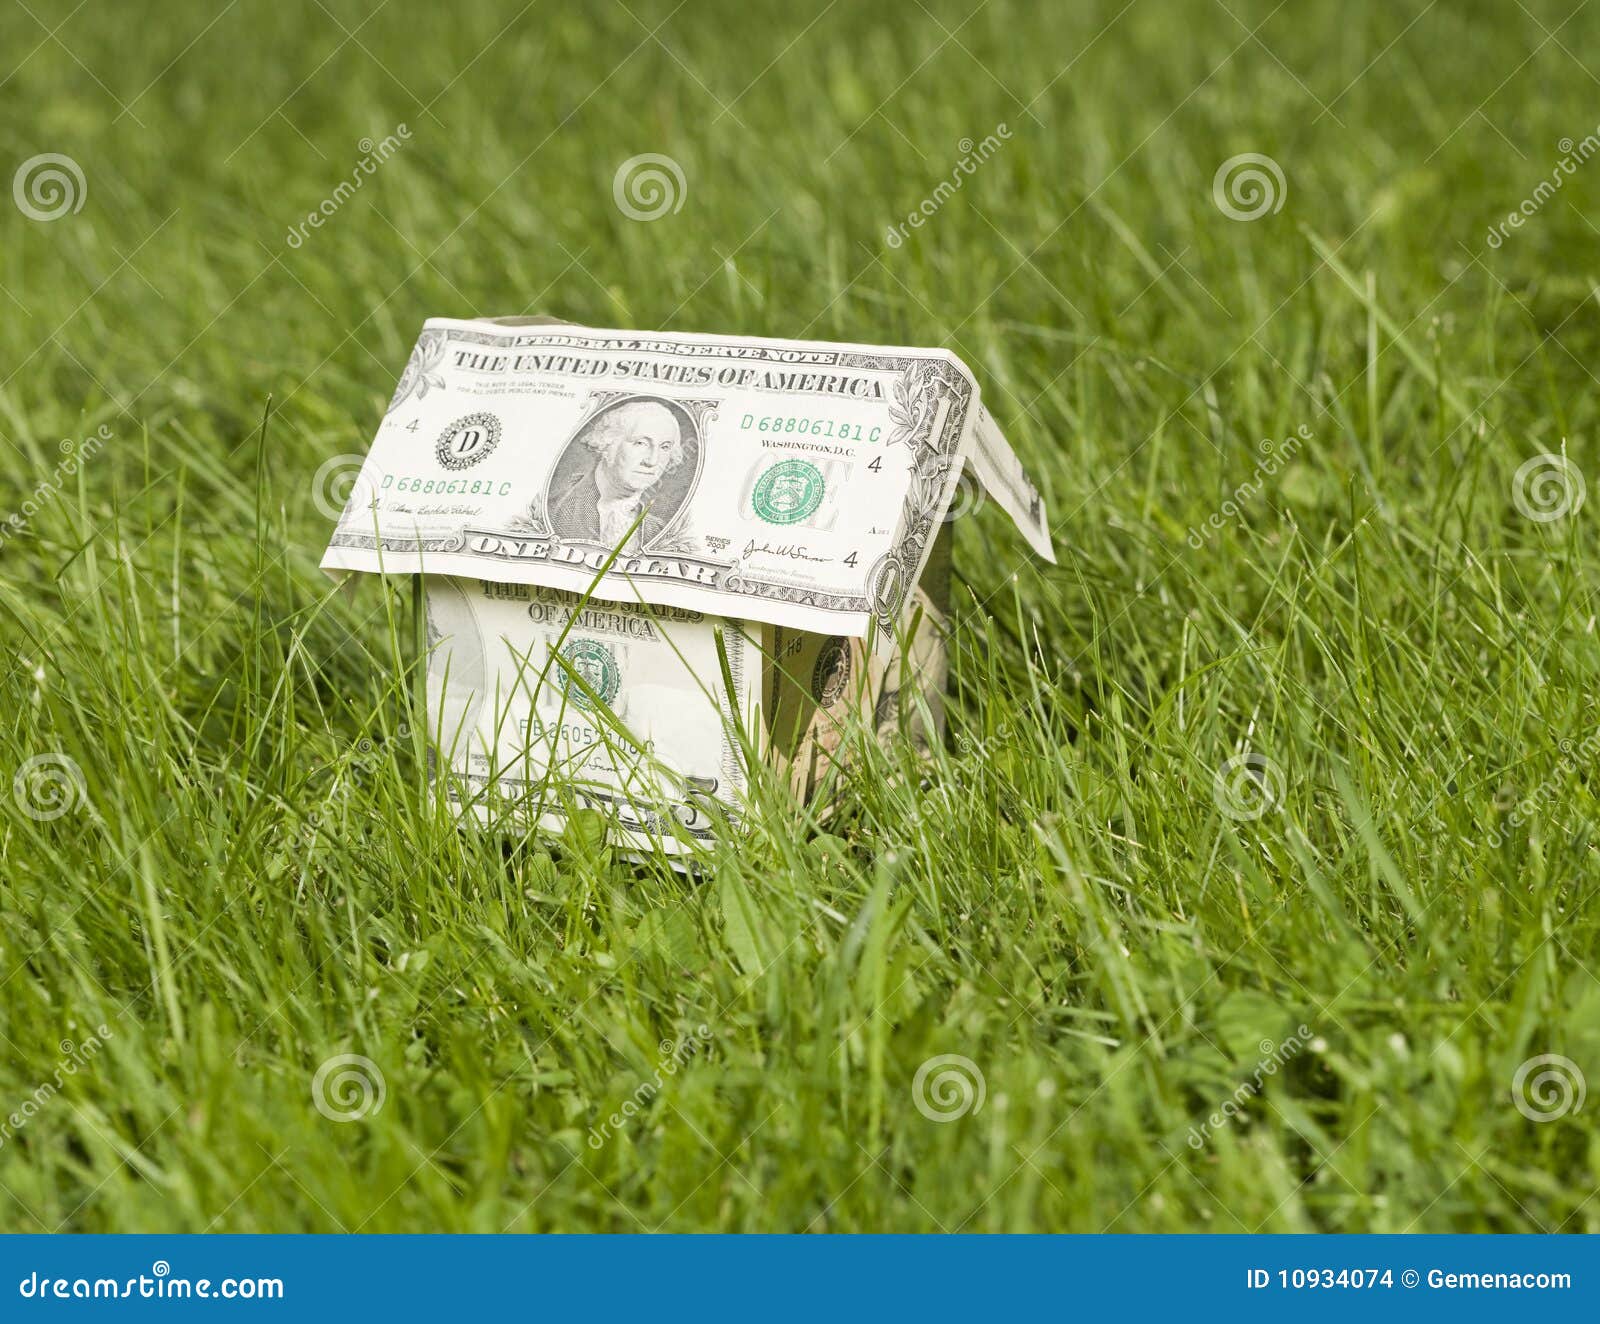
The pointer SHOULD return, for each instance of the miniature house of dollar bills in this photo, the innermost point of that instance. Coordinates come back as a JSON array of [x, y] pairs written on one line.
[[647, 554]]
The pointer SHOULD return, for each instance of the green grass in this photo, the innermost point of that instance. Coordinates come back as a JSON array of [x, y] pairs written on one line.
[[254, 879]]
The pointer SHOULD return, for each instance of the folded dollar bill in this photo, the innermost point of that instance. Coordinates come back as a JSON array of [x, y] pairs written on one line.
[[541, 701], [613, 525]]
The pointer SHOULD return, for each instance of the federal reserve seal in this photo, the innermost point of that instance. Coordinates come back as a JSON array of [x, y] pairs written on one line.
[[597, 665], [469, 439], [832, 672], [788, 492]]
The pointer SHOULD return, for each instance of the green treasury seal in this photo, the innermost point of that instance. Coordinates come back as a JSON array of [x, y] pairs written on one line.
[[788, 492], [594, 662]]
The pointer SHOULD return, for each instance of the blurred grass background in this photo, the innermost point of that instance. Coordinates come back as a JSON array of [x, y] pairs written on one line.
[[250, 879]]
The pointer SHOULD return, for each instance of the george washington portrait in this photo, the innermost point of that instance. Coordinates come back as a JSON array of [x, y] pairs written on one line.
[[630, 466]]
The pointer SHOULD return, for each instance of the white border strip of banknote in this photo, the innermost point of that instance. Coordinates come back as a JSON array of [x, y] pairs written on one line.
[[1002, 476]]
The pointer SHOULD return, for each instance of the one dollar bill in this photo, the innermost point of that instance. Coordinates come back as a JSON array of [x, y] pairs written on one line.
[[795, 483], [539, 702]]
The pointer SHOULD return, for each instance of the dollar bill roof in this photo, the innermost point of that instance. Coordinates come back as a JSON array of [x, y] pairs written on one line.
[[799, 483]]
